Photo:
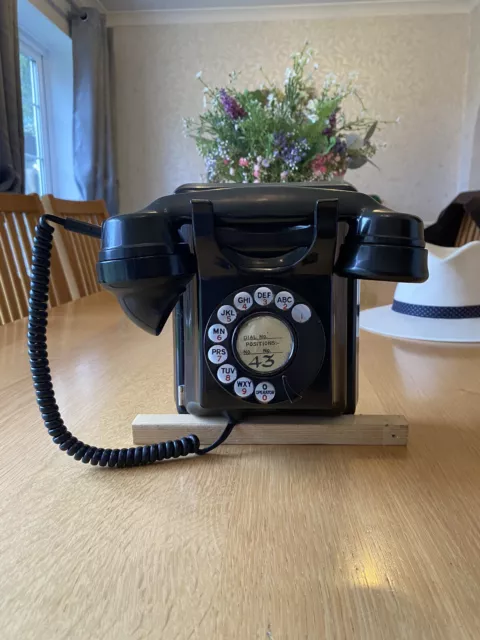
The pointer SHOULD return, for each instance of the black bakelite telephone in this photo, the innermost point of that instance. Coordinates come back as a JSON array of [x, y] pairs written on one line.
[[263, 282]]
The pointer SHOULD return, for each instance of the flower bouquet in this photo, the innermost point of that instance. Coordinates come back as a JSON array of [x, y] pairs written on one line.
[[292, 133]]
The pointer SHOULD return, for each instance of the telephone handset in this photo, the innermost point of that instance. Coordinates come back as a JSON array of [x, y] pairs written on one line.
[[263, 282]]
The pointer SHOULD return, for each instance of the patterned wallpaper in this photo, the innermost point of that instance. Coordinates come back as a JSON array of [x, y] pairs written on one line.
[[413, 67], [471, 156]]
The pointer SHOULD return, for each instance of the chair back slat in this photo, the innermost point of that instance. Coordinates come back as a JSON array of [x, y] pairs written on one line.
[[19, 215], [468, 232], [78, 253], [14, 269]]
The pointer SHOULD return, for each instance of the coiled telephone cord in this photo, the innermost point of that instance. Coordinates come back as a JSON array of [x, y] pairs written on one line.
[[42, 380]]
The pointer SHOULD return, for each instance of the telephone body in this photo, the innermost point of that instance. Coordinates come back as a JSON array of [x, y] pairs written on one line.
[[263, 283]]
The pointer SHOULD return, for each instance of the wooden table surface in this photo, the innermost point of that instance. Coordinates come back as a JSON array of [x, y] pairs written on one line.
[[279, 543]]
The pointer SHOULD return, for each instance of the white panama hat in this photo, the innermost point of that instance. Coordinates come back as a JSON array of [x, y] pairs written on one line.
[[445, 308]]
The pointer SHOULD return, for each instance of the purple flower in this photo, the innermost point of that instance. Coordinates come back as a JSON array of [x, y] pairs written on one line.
[[280, 140], [290, 151], [331, 126], [231, 106], [294, 152], [340, 147]]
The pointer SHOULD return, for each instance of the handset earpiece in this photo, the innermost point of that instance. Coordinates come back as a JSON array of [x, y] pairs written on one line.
[[146, 265], [384, 245]]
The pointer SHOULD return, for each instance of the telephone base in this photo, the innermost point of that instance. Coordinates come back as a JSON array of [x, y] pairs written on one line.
[[275, 430]]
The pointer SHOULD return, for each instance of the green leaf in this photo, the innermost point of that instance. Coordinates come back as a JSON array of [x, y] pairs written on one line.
[[258, 95], [371, 131]]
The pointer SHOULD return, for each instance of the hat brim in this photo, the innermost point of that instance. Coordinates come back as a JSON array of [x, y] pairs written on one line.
[[384, 321]]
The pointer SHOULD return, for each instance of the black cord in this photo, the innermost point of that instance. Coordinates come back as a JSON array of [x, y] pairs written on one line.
[[42, 380], [226, 432]]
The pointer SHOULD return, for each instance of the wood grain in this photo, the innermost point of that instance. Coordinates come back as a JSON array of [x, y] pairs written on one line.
[[469, 231], [276, 429], [76, 208], [14, 261], [362, 543]]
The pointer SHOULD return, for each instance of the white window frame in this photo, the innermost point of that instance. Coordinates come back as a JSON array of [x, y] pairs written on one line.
[[33, 50]]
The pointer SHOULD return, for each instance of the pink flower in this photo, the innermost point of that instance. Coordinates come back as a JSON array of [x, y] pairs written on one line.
[[319, 164], [256, 181], [256, 171], [226, 161], [243, 162], [284, 175]]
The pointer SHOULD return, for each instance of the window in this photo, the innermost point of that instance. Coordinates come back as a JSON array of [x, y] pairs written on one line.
[[37, 174]]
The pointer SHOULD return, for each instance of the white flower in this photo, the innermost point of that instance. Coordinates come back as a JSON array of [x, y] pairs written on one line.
[[353, 75], [270, 99], [205, 101], [330, 79], [310, 111], [398, 120], [259, 159], [198, 75], [315, 66], [289, 73], [232, 171]]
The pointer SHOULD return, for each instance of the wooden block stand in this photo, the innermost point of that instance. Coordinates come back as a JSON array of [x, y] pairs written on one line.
[[353, 430]]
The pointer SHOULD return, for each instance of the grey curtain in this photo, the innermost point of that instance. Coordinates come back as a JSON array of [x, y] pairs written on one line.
[[12, 161], [93, 142]]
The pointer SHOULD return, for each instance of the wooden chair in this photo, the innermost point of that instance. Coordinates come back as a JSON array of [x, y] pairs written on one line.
[[18, 216], [78, 254], [468, 232], [458, 224]]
